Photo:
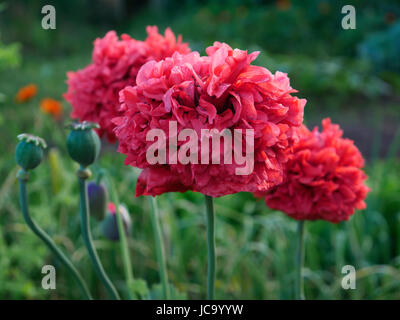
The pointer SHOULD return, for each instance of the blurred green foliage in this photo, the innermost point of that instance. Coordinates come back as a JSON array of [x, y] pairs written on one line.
[[9, 56], [255, 246], [382, 49]]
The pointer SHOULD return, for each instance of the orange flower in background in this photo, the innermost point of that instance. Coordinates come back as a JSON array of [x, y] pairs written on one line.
[[51, 107], [26, 93], [283, 4]]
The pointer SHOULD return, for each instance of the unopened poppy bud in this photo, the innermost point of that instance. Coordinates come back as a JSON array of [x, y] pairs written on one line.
[[83, 143], [110, 223], [98, 198], [29, 151]]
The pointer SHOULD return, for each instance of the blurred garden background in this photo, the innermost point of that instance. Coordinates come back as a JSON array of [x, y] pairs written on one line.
[[353, 76]]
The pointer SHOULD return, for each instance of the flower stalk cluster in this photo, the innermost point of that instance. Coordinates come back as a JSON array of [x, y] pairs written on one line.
[[29, 154], [83, 146]]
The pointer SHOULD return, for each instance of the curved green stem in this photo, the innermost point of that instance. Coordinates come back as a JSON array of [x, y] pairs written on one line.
[[122, 238], [159, 248], [22, 178], [87, 236], [300, 261], [211, 247]]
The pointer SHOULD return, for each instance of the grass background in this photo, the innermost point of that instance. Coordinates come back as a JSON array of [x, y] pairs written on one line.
[[344, 74]]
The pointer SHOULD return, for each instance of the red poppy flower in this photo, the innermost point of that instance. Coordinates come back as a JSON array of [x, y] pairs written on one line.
[[93, 91], [221, 91], [325, 179]]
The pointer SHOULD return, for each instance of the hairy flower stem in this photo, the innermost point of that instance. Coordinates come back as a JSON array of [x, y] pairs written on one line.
[[122, 239], [83, 174], [22, 179], [159, 248], [211, 247], [300, 261]]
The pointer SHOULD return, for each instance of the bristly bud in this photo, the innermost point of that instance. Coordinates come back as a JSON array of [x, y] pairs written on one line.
[[98, 199], [83, 143], [110, 223], [29, 151]]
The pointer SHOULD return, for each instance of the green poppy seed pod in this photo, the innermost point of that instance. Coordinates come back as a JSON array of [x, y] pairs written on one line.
[[98, 199], [83, 143], [109, 225], [29, 151]]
